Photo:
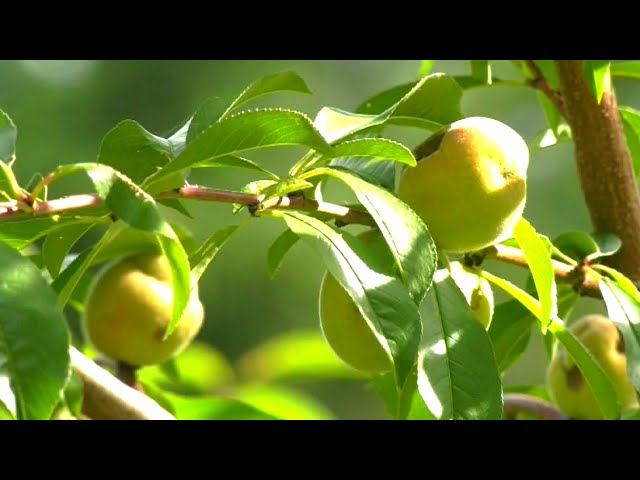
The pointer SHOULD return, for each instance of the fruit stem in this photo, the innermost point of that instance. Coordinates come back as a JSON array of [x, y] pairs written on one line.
[[127, 374]]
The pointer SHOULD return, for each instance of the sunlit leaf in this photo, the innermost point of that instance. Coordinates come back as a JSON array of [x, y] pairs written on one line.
[[34, 339], [382, 300], [457, 373]]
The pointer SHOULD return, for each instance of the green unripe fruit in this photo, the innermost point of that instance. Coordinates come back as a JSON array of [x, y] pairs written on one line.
[[129, 307], [476, 290], [470, 184], [567, 385], [345, 329]]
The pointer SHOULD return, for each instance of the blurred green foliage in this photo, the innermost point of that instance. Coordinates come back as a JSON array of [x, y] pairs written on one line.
[[63, 109]]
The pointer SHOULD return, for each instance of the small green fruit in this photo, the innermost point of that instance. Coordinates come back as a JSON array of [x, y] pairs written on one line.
[[568, 386], [477, 291], [345, 329], [470, 184], [129, 307]]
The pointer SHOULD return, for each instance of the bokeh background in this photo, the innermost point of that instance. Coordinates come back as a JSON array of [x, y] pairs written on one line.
[[63, 109]]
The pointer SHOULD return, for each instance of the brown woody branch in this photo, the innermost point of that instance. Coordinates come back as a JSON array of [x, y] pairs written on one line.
[[13, 210], [584, 280], [540, 82], [107, 398], [604, 164], [515, 403]]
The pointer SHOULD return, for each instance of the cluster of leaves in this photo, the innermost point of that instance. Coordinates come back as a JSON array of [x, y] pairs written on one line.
[[445, 364]]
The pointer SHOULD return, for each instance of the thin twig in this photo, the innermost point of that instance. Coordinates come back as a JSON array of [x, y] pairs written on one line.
[[540, 82], [515, 403], [78, 202]]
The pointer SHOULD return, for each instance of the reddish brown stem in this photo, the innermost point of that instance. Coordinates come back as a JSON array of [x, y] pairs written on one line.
[[604, 164], [584, 280], [515, 403], [540, 82]]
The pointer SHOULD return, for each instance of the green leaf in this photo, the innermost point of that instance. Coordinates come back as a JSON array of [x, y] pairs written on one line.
[[553, 117], [631, 126], [58, 244], [67, 281], [510, 328], [510, 331], [8, 135], [608, 244], [378, 172], [425, 67], [200, 369], [284, 187], [231, 161], [204, 407], [434, 101], [548, 69], [9, 187], [293, 355], [406, 234], [538, 257], [246, 131], [548, 138], [375, 149], [207, 114], [405, 404], [34, 339], [529, 302], [481, 71], [597, 73], [283, 403], [580, 245], [216, 108], [133, 151], [175, 204], [622, 282], [335, 124], [201, 259], [577, 245], [19, 234], [597, 379], [384, 100], [277, 82], [457, 373], [630, 69], [278, 250], [131, 241], [624, 312], [5, 413], [382, 300], [73, 394]]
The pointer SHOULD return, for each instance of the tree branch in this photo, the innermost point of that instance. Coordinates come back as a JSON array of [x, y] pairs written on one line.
[[13, 211], [539, 82], [515, 403], [107, 398], [584, 280], [604, 164]]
